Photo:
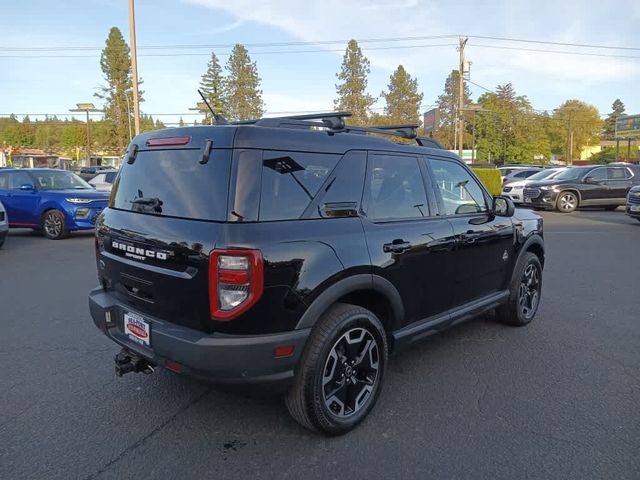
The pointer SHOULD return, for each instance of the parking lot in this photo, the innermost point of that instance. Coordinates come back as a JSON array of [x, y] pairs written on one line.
[[556, 399]]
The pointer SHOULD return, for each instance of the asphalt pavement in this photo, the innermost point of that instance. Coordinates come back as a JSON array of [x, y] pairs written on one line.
[[559, 398]]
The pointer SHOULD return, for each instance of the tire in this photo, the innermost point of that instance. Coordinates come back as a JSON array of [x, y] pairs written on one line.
[[52, 225], [525, 290], [610, 208], [324, 397], [567, 202]]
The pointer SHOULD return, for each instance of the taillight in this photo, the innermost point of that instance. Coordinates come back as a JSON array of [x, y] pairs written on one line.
[[236, 281]]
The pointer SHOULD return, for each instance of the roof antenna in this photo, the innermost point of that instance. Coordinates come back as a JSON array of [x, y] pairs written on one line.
[[220, 120]]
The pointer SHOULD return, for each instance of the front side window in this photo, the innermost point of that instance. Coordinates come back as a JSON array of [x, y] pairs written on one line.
[[290, 180], [460, 192], [598, 174], [17, 179], [395, 188]]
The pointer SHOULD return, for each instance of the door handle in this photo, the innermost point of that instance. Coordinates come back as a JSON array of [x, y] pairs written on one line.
[[397, 246]]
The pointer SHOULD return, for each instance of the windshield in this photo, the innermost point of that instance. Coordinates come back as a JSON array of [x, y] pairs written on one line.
[[572, 173], [543, 174], [59, 180]]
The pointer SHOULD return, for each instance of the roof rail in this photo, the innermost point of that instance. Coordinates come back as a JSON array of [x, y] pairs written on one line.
[[402, 130]]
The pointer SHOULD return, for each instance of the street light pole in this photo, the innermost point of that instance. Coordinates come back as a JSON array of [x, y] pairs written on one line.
[[134, 67], [86, 107]]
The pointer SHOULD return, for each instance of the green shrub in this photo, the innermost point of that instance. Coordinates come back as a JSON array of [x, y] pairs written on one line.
[[491, 178]]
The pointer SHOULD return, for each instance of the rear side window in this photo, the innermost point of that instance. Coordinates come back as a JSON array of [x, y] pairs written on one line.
[[290, 180], [174, 183], [618, 173], [110, 177]]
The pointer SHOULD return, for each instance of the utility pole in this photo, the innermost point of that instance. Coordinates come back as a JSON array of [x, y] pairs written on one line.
[[463, 43], [86, 107], [134, 67]]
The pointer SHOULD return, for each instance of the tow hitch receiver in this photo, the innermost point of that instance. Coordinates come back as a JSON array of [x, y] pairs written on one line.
[[128, 362]]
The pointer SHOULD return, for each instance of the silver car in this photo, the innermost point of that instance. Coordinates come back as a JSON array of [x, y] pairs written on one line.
[[4, 224]]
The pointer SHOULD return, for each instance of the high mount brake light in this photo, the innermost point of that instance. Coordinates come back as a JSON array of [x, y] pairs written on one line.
[[236, 282], [167, 141]]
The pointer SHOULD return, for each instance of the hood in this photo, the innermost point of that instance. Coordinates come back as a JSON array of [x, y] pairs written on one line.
[[517, 183], [542, 183], [92, 194], [635, 189]]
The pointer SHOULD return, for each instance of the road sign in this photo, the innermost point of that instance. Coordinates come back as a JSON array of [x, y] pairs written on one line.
[[430, 120], [628, 126]]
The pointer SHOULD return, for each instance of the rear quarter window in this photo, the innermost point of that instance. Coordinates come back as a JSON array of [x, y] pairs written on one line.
[[290, 180]]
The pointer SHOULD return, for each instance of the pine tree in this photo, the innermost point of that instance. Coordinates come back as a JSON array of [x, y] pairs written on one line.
[[351, 92], [617, 110], [448, 107], [115, 63], [212, 85], [242, 86], [403, 99]]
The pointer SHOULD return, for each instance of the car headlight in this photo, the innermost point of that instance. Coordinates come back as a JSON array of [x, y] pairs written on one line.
[[78, 201], [518, 187], [549, 187]]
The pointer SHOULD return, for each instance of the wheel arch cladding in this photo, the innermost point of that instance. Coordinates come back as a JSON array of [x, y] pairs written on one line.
[[535, 245], [368, 291]]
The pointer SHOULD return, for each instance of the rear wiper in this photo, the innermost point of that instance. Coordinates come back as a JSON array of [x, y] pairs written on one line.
[[153, 204], [147, 201]]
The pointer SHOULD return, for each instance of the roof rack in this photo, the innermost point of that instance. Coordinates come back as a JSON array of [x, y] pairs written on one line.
[[334, 122]]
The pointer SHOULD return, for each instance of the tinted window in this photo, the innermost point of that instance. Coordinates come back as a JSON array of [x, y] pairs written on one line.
[[598, 174], [395, 188], [110, 177], [290, 180], [13, 180], [573, 173], [460, 192], [618, 173], [346, 184], [174, 183]]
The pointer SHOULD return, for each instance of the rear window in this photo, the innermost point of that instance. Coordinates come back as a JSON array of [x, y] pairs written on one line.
[[173, 183]]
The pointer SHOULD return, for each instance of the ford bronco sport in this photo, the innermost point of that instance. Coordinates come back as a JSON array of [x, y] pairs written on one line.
[[300, 252]]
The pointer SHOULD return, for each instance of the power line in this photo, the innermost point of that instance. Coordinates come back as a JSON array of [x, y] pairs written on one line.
[[319, 42], [562, 52], [224, 54]]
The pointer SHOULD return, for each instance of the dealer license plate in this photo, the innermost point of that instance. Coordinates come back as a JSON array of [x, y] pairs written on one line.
[[137, 329]]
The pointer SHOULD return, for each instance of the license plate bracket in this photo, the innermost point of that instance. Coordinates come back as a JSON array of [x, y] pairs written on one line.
[[137, 329]]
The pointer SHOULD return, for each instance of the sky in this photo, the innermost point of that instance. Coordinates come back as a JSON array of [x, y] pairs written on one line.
[[43, 70]]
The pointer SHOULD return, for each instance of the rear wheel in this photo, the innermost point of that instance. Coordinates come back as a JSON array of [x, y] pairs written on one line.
[[339, 377], [53, 225], [567, 202], [525, 290]]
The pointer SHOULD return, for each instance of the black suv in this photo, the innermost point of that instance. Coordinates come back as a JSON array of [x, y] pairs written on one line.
[[588, 186], [300, 252]]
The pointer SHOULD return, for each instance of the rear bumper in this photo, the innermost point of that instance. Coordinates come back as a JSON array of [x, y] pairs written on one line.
[[218, 358]]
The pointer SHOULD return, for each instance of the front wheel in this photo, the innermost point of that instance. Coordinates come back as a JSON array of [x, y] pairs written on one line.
[[525, 291], [53, 225], [339, 377], [567, 202]]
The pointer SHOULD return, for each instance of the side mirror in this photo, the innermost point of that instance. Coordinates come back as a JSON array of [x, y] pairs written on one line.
[[503, 207], [588, 179], [26, 187]]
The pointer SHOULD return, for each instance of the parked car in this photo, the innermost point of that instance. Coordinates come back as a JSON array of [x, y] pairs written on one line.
[[593, 185], [87, 173], [4, 224], [54, 201], [514, 189], [104, 180], [300, 252], [510, 174], [633, 202]]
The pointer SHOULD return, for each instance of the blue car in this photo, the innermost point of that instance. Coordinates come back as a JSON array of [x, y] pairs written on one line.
[[54, 201]]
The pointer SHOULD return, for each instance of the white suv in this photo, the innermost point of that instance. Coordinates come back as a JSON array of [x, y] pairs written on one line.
[[104, 180], [514, 190]]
